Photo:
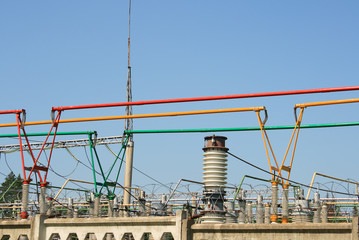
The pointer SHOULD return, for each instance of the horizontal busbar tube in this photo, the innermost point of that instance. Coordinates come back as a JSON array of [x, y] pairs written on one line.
[[12, 111], [313, 104], [197, 99], [326, 125], [45, 134], [171, 114]]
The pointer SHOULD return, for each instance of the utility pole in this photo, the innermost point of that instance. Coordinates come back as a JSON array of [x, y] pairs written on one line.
[[128, 125]]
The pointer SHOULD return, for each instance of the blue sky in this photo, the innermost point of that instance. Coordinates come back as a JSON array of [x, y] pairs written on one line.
[[59, 53]]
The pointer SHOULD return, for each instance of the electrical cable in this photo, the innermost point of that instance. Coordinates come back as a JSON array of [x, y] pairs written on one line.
[[301, 184], [153, 179], [7, 164], [1, 172], [52, 170]]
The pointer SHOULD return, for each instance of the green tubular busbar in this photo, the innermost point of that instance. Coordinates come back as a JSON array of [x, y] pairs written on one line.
[[45, 134], [326, 125]]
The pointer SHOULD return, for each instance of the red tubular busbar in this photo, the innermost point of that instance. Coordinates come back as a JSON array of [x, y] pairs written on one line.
[[197, 99], [11, 111]]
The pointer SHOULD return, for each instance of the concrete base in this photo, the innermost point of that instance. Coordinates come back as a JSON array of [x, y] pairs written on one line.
[[40, 228]]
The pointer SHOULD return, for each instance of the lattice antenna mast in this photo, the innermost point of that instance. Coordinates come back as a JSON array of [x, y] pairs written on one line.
[[129, 122]]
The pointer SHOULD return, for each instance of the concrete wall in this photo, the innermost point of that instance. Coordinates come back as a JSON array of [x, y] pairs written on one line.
[[292, 231], [39, 228]]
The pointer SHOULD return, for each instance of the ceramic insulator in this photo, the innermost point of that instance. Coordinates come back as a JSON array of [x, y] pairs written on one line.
[[215, 169]]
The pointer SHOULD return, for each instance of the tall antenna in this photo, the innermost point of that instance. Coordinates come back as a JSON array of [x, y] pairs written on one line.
[[129, 122]]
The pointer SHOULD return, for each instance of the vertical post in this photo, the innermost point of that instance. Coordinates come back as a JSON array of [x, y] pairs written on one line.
[[70, 207], [110, 206], [142, 203], [285, 213], [42, 200], [163, 204], [115, 207], [96, 209], [317, 208], [25, 199], [148, 208], [231, 216], [49, 204], [76, 212], [260, 210], [242, 207], [324, 213], [267, 214], [109, 236], [274, 217], [249, 213], [128, 173], [91, 205]]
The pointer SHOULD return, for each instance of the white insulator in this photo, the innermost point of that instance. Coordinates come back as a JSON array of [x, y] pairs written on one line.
[[215, 169]]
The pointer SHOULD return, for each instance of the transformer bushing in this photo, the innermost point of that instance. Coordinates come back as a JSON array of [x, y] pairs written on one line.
[[301, 213], [214, 179]]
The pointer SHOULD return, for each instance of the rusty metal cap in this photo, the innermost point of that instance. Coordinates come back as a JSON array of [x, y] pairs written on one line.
[[215, 142]]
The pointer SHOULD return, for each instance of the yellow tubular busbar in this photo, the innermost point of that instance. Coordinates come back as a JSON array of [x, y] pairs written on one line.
[[171, 114], [303, 105]]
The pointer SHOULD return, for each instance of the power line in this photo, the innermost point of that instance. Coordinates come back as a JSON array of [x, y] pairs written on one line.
[[301, 184]]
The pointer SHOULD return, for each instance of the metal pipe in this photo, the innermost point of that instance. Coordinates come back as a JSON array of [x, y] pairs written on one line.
[[197, 99], [327, 176], [70, 180], [45, 134], [313, 104], [12, 111], [152, 115], [327, 125]]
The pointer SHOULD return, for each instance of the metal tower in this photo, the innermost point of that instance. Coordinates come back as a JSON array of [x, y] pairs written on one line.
[[129, 122]]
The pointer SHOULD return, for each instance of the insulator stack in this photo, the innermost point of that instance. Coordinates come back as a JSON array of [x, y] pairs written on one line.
[[214, 178], [215, 163]]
